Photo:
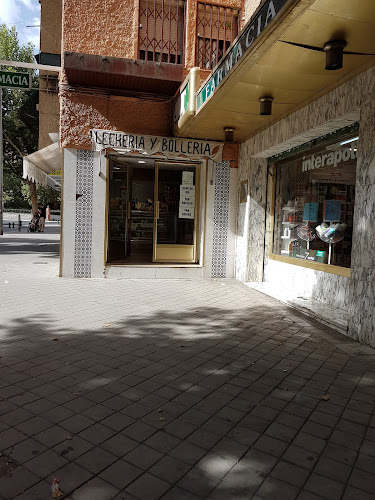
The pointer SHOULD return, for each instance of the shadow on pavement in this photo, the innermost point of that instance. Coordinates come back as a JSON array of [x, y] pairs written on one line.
[[210, 403]]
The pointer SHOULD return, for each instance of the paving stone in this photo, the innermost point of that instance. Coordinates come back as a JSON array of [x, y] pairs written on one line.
[[204, 438], [187, 452], [11, 437], [17, 481], [97, 412], [45, 463], [95, 489], [39, 491], [177, 493], [282, 432], [169, 469], [230, 449], [340, 453], [120, 474], [272, 485], [52, 436], [198, 482], [71, 476], [301, 457], [97, 433], [351, 441], [34, 426], [143, 457], [333, 469], [162, 441], [226, 491], [355, 494], [309, 442], [148, 487], [362, 480], [76, 423], [73, 448], [324, 487], [290, 473], [25, 450], [117, 421], [139, 431], [96, 460], [119, 445], [271, 445]]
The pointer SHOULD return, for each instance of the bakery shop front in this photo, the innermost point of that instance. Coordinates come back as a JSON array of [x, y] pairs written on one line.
[[148, 206]]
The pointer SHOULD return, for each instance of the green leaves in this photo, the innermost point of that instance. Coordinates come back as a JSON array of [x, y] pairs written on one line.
[[20, 117]]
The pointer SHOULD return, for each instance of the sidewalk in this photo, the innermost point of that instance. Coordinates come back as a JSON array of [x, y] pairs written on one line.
[[173, 390]]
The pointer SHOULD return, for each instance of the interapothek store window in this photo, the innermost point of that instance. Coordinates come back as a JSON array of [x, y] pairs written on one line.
[[314, 200]]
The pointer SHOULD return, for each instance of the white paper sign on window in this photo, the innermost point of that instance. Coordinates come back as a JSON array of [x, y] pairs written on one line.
[[186, 212], [187, 191], [187, 178]]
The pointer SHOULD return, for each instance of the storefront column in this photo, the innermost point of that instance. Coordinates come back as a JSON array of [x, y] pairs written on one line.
[[362, 290], [251, 218]]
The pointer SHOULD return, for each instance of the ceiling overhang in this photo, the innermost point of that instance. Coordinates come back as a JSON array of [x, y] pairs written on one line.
[[291, 74], [122, 76]]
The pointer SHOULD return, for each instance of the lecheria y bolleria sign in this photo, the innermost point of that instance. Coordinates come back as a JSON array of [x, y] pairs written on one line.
[[170, 147]]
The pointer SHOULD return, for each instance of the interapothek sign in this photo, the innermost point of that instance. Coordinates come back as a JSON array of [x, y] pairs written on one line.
[[253, 29]]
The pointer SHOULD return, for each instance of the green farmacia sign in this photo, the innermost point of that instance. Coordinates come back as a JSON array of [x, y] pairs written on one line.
[[15, 80]]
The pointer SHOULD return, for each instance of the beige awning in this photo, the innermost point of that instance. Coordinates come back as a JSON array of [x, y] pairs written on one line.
[[37, 166]]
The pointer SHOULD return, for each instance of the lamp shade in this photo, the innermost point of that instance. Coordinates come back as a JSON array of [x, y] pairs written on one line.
[[265, 105], [334, 54]]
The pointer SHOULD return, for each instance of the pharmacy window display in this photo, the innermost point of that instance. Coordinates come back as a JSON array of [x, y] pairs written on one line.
[[314, 204]]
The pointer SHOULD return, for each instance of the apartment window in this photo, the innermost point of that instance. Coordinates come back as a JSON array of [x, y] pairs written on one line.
[[217, 27], [161, 31]]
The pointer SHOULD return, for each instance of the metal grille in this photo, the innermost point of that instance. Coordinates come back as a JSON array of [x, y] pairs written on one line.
[[217, 27], [161, 31]]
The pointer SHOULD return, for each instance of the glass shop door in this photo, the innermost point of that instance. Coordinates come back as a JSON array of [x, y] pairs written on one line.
[[119, 213], [176, 212]]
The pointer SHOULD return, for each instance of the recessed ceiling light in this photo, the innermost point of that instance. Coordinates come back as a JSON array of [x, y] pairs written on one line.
[[349, 140], [141, 161]]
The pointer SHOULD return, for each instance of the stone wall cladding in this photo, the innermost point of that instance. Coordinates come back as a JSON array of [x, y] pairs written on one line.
[[357, 292]]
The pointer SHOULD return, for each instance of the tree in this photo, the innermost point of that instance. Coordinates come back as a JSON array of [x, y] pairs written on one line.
[[20, 121]]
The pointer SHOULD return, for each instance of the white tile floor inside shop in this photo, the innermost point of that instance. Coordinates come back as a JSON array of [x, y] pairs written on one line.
[[173, 389]]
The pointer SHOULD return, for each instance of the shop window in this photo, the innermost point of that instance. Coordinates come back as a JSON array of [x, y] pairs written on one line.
[[161, 31], [314, 203], [217, 27]]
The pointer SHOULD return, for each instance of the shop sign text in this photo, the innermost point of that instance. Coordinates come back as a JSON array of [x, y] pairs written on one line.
[[15, 80], [253, 29], [331, 159], [148, 144]]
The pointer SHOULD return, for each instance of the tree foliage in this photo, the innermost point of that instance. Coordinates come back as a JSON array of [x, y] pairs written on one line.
[[20, 120]]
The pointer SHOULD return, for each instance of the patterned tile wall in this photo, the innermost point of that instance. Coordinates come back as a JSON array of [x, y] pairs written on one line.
[[221, 215], [83, 226]]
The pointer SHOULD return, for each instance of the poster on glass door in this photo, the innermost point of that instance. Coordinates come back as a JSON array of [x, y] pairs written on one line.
[[187, 196]]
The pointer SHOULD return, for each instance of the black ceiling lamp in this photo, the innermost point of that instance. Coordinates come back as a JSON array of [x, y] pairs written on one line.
[[334, 54], [229, 134], [334, 50], [265, 105]]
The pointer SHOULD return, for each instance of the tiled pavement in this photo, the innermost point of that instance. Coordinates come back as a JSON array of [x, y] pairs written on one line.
[[176, 390]]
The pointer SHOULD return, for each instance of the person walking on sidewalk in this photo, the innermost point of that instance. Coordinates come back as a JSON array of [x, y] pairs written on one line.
[[42, 218]]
